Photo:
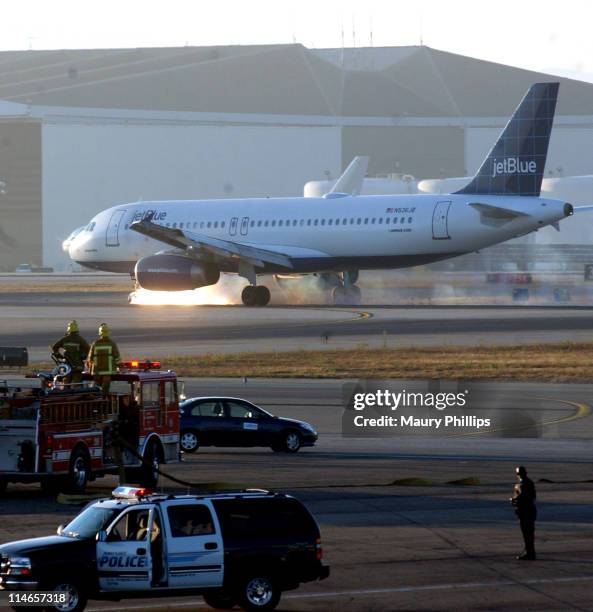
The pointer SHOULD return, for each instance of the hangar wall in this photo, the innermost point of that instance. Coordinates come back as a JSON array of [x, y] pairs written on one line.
[[425, 152], [90, 167], [20, 206]]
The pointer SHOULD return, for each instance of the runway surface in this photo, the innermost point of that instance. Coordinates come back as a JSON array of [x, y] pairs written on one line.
[[438, 546], [35, 320]]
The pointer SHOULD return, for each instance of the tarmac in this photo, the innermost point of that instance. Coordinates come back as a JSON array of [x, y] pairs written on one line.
[[436, 546], [37, 320]]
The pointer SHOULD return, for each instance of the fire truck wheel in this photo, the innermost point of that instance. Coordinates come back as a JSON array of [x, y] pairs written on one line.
[[79, 471], [149, 472]]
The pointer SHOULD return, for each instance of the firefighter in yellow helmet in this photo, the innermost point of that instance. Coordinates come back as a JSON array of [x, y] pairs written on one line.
[[71, 349], [103, 358]]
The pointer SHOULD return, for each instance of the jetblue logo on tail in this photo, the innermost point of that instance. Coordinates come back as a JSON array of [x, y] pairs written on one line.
[[513, 165]]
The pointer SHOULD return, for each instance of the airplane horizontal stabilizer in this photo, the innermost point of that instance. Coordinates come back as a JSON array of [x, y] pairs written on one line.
[[497, 212]]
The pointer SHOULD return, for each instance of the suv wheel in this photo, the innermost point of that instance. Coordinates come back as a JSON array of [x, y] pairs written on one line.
[[189, 441], [76, 598], [259, 592], [220, 600], [291, 441]]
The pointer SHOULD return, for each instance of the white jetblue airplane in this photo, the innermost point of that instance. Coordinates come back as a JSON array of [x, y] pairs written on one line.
[[178, 245]]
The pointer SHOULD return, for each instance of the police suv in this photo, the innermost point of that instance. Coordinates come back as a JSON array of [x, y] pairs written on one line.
[[240, 548]]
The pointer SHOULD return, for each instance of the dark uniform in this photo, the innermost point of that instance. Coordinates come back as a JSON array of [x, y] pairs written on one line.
[[523, 501], [103, 358], [72, 349]]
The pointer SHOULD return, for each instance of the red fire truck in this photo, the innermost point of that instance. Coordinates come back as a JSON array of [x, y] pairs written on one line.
[[65, 435]]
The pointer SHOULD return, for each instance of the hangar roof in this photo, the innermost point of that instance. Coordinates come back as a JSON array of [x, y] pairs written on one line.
[[278, 80]]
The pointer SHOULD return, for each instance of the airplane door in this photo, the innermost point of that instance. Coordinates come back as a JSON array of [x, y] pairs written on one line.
[[244, 226], [112, 236], [233, 226], [440, 226]]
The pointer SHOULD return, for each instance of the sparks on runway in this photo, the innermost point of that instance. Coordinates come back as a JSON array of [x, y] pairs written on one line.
[[206, 296]]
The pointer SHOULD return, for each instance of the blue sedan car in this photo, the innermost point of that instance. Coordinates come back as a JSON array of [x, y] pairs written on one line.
[[230, 421]]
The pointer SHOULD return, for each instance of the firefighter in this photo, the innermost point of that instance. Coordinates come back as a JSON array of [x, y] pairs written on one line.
[[103, 358], [71, 349], [523, 501]]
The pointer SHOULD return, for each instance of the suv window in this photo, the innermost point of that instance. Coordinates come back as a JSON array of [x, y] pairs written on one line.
[[265, 518], [133, 526], [242, 411], [208, 409], [190, 520]]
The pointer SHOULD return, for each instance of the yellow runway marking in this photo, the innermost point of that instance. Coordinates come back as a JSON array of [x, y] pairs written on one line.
[[360, 314], [582, 411]]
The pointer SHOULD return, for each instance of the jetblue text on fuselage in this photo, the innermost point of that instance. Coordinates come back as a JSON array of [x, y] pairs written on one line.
[[513, 165], [153, 215]]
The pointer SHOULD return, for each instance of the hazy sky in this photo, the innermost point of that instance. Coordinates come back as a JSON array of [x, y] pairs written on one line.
[[541, 35]]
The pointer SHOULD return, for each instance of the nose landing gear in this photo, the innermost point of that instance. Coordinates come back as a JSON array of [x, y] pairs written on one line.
[[255, 295]]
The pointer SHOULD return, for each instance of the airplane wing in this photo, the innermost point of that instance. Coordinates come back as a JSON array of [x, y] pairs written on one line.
[[199, 243], [578, 209]]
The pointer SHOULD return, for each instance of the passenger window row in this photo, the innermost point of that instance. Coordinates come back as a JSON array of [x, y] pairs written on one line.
[[331, 221], [296, 222]]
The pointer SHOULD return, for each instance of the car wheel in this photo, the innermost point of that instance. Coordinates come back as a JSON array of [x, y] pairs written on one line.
[[78, 471], [149, 472], [259, 592], [220, 600], [189, 441], [76, 597], [291, 442]]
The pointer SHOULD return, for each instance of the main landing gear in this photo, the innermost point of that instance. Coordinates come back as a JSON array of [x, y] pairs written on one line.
[[255, 295], [346, 295]]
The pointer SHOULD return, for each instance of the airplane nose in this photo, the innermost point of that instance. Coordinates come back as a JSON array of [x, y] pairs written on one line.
[[568, 210]]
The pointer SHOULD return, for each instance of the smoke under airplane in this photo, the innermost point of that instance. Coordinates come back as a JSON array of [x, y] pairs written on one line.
[[181, 245]]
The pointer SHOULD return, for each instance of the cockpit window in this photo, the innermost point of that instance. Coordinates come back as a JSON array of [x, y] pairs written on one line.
[[91, 226]]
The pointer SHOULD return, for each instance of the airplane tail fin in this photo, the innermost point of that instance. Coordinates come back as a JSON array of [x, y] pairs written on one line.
[[353, 177], [515, 165]]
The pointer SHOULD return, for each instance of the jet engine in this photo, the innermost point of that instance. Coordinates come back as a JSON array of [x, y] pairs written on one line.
[[174, 273]]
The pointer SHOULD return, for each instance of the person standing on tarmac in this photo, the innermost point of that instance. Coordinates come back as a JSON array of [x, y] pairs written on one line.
[[72, 349], [103, 358], [523, 501]]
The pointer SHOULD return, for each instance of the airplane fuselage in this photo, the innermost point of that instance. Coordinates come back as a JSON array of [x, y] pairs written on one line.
[[320, 234]]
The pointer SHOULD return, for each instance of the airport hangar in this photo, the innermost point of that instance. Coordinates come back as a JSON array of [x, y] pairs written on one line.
[[82, 130]]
